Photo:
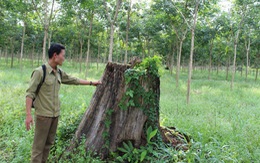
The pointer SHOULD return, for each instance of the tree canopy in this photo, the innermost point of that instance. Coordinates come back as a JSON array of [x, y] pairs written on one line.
[[102, 30]]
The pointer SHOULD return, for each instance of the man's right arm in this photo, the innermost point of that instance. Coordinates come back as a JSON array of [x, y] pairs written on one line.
[[30, 94], [29, 119]]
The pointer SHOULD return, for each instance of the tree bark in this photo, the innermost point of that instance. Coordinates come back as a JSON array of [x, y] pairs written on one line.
[[12, 52], [210, 58], [105, 125], [191, 51], [181, 39], [81, 42], [234, 59], [46, 21], [235, 48], [256, 74], [6, 56], [127, 30], [89, 37], [247, 56], [112, 23], [22, 45]]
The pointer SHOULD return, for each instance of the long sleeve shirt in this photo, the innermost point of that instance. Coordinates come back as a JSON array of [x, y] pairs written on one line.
[[47, 102]]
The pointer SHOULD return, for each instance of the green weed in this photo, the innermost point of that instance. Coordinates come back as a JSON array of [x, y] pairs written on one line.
[[223, 123]]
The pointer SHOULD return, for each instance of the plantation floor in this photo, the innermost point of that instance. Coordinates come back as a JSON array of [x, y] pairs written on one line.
[[223, 123]]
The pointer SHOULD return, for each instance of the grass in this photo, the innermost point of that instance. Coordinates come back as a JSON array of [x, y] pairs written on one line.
[[223, 123]]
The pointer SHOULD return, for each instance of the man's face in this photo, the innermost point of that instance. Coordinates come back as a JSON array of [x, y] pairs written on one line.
[[59, 59]]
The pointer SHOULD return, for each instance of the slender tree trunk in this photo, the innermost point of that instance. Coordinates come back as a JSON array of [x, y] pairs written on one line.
[[49, 39], [127, 30], [33, 53], [218, 67], [256, 74], [44, 44], [46, 21], [148, 47], [247, 56], [234, 59], [111, 43], [6, 56], [98, 56], [178, 64], [81, 53], [89, 38], [241, 72], [181, 37], [22, 45], [235, 48], [112, 23], [191, 51], [38, 59], [172, 60], [106, 47], [12, 52], [46, 29], [210, 58]]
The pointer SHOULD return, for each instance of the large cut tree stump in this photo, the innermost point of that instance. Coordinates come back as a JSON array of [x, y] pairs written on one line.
[[105, 125]]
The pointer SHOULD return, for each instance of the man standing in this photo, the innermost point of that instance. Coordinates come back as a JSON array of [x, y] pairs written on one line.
[[47, 103]]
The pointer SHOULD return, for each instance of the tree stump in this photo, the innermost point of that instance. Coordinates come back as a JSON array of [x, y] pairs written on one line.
[[112, 117]]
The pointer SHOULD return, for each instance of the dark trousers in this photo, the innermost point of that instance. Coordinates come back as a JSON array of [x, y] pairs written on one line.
[[44, 137]]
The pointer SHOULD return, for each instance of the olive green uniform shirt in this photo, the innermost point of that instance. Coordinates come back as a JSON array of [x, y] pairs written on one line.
[[47, 102]]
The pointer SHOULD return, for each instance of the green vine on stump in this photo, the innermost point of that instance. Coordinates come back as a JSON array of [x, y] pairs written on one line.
[[144, 98]]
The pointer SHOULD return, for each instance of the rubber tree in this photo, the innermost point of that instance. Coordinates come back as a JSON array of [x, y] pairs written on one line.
[[239, 13], [193, 27], [111, 14], [249, 35], [178, 17], [44, 9]]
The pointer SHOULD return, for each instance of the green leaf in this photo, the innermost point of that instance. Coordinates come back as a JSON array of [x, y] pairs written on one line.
[[130, 103], [126, 147], [122, 150], [130, 93], [143, 154], [151, 135], [130, 144]]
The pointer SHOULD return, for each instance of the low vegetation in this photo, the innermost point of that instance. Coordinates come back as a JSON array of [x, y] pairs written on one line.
[[223, 124]]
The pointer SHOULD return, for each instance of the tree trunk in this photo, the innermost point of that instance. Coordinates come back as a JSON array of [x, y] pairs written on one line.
[[172, 60], [89, 37], [44, 43], [111, 43], [22, 45], [6, 56], [191, 51], [235, 48], [127, 30], [33, 53], [148, 47], [247, 56], [234, 60], [178, 65], [12, 52], [81, 41], [98, 56], [182, 38], [112, 23], [256, 74], [49, 39], [105, 124], [210, 58]]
